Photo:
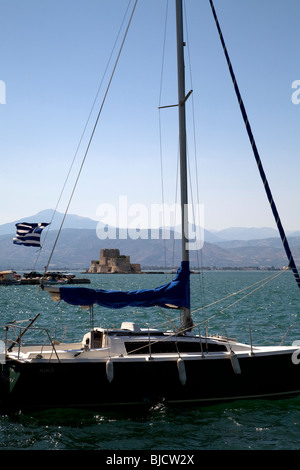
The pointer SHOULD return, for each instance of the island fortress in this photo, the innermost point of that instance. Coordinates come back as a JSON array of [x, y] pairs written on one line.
[[112, 262]]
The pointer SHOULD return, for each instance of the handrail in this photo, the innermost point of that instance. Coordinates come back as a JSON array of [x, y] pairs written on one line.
[[13, 327], [23, 332]]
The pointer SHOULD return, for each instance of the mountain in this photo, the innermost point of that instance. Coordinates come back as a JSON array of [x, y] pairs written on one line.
[[246, 233], [71, 221], [78, 244], [77, 247]]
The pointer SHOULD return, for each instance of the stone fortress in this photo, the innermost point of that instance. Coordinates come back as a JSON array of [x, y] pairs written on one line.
[[111, 262]]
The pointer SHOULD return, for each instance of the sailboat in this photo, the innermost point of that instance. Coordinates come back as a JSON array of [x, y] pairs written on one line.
[[133, 366]]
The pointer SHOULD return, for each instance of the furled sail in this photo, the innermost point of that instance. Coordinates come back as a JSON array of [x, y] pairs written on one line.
[[29, 234], [172, 295]]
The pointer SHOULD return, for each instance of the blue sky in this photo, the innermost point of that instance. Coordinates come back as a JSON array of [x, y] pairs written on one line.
[[53, 56]]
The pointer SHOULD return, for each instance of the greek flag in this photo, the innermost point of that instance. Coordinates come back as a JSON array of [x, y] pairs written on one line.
[[29, 234]]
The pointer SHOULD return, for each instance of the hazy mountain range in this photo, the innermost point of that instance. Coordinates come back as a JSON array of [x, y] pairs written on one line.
[[78, 244]]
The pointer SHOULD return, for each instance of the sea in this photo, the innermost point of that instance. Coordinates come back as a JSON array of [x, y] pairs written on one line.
[[261, 305]]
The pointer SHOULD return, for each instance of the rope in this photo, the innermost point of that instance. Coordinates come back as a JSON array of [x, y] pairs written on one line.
[[237, 301], [93, 132], [262, 283], [171, 322], [291, 261], [81, 138], [160, 133], [199, 253]]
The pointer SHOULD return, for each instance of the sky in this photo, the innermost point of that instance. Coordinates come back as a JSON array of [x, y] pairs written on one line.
[[53, 56]]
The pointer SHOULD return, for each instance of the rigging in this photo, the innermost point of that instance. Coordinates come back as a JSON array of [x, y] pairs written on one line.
[[95, 125], [292, 264]]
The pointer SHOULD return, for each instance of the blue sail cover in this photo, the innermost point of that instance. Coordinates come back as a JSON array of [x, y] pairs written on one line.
[[175, 294]]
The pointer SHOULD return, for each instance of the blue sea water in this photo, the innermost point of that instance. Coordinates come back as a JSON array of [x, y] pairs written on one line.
[[244, 425]]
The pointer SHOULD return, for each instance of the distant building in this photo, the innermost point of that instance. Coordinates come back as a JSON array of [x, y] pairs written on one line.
[[112, 262]]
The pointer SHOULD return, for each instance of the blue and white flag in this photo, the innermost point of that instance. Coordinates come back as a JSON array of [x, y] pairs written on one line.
[[29, 234]]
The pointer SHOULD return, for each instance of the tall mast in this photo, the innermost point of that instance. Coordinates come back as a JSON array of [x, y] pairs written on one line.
[[187, 320]]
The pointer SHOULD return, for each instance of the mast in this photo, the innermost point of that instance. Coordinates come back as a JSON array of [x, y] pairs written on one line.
[[187, 320]]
